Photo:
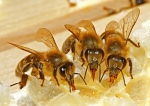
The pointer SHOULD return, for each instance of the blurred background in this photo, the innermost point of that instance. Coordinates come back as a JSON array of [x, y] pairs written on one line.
[[19, 20]]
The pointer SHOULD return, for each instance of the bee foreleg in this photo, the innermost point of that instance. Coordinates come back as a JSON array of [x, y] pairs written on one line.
[[86, 71], [103, 74], [82, 61], [81, 55], [130, 64], [54, 74], [99, 72], [136, 45], [41, 73]]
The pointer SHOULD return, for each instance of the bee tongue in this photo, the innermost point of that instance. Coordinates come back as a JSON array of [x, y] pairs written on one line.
[[93, 70], [111, 80], [72, 85]]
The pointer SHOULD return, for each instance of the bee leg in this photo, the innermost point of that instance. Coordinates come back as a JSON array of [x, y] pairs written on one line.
[[41, 73], [82, 61], [81, 78], [136, 45], [23, 81], [123, 77], [99, 72], [81, 55], [70, 89], [86, 71], [54, 74], [35, 72], [130, 64], [24, 77], [103, 74], [14, 84]]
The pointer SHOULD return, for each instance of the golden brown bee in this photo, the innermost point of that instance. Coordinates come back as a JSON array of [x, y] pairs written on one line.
[[87, 44], [53, 63], [116, 36]]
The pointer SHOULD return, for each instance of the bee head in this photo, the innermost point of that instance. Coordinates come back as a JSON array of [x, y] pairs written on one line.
[[67, 71], [115, 63], [94, 58]]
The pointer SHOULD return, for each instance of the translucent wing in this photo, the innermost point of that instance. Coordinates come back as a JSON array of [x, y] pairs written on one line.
[[83, 23], [127, 23], [45, 36], [112, 26], [87, 25], [74, 30], [28, 50]]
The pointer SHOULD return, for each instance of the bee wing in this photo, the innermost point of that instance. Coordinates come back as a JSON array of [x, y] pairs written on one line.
[[112, 26], [74, 30], [45, 36], [28, 50], [88, 25], [127, 23]]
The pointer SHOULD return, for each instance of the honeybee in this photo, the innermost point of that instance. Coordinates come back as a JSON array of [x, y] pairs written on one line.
[[89, 47], [116, 36], [53, 63]]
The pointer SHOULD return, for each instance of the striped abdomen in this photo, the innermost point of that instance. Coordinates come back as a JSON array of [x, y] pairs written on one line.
[[26, 63]]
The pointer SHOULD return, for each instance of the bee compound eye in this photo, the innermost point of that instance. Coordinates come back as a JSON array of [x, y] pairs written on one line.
[[63, 70]]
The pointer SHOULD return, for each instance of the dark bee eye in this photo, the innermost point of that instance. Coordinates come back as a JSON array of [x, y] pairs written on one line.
[[63, 70]]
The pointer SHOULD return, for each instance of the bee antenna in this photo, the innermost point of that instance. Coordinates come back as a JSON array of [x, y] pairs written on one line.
[[122, 77], [70, 89], [15, 84], [103, 74], [81, 78]]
